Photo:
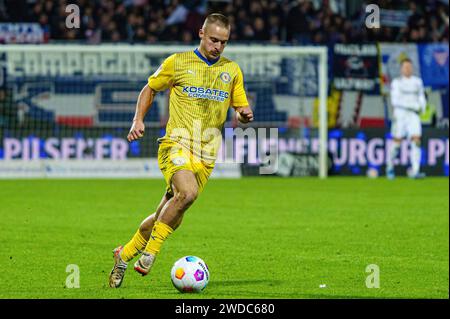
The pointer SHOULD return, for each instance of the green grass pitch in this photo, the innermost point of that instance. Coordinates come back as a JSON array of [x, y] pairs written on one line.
[[261, 237]]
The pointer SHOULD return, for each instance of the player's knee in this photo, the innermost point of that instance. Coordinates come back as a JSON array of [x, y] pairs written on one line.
[[185, 198]]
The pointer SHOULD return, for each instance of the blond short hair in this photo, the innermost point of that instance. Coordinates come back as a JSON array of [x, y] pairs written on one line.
[[218, 19]]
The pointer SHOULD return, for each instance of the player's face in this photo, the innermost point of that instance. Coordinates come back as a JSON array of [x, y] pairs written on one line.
[[407, 69], [214, 38]]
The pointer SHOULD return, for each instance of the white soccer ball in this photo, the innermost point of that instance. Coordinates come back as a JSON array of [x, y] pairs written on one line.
[[190, 274]]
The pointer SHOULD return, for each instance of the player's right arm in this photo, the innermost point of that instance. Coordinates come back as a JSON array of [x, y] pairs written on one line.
[[144, 103], [395, 94], [161, 80]]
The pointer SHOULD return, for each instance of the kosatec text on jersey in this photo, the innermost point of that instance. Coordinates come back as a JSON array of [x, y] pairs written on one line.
[[205, 93]]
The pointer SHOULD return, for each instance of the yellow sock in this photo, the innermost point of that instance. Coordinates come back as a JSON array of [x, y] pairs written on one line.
[[159, 234], [133, 247]]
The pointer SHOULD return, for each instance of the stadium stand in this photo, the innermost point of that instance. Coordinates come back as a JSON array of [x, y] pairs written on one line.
[[281, 21]]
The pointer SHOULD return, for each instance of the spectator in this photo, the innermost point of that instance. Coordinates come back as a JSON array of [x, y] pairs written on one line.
[[274, 29], [260, 32], [248, 33], [297, 23]]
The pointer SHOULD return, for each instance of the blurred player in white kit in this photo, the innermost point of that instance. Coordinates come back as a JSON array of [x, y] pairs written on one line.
[[408, 101]]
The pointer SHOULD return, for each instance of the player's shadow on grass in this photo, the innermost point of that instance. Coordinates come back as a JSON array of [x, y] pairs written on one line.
[[289, 295], [244, 282]]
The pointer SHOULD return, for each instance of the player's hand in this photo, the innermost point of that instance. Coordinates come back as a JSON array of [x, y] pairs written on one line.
[[245, 114], [136, 131]]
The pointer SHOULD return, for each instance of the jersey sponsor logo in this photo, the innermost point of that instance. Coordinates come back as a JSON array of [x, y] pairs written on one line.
[[225, 77], [206, 93]]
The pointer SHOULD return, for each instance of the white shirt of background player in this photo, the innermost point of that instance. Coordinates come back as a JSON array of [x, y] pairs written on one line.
[[408, 101]]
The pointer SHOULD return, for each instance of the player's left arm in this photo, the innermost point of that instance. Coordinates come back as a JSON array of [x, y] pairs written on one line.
[[422, 99], [239, 100], [244, 114]]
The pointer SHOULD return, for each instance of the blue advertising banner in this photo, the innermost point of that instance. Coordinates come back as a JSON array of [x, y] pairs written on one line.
[[434, 64], [357, 152]]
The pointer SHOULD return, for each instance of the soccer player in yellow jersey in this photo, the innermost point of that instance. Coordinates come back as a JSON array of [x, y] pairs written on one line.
[[203, 85]]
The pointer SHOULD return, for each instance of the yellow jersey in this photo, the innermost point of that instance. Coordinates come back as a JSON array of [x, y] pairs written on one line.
[[201, 92]]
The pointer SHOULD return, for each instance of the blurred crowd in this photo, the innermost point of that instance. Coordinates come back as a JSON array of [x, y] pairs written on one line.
[[274, 21]]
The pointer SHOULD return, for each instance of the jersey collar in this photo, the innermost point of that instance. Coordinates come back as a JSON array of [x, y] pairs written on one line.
[[209, 62]]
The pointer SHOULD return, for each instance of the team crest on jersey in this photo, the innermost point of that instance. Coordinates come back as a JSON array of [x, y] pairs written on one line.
[[225, 77]]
